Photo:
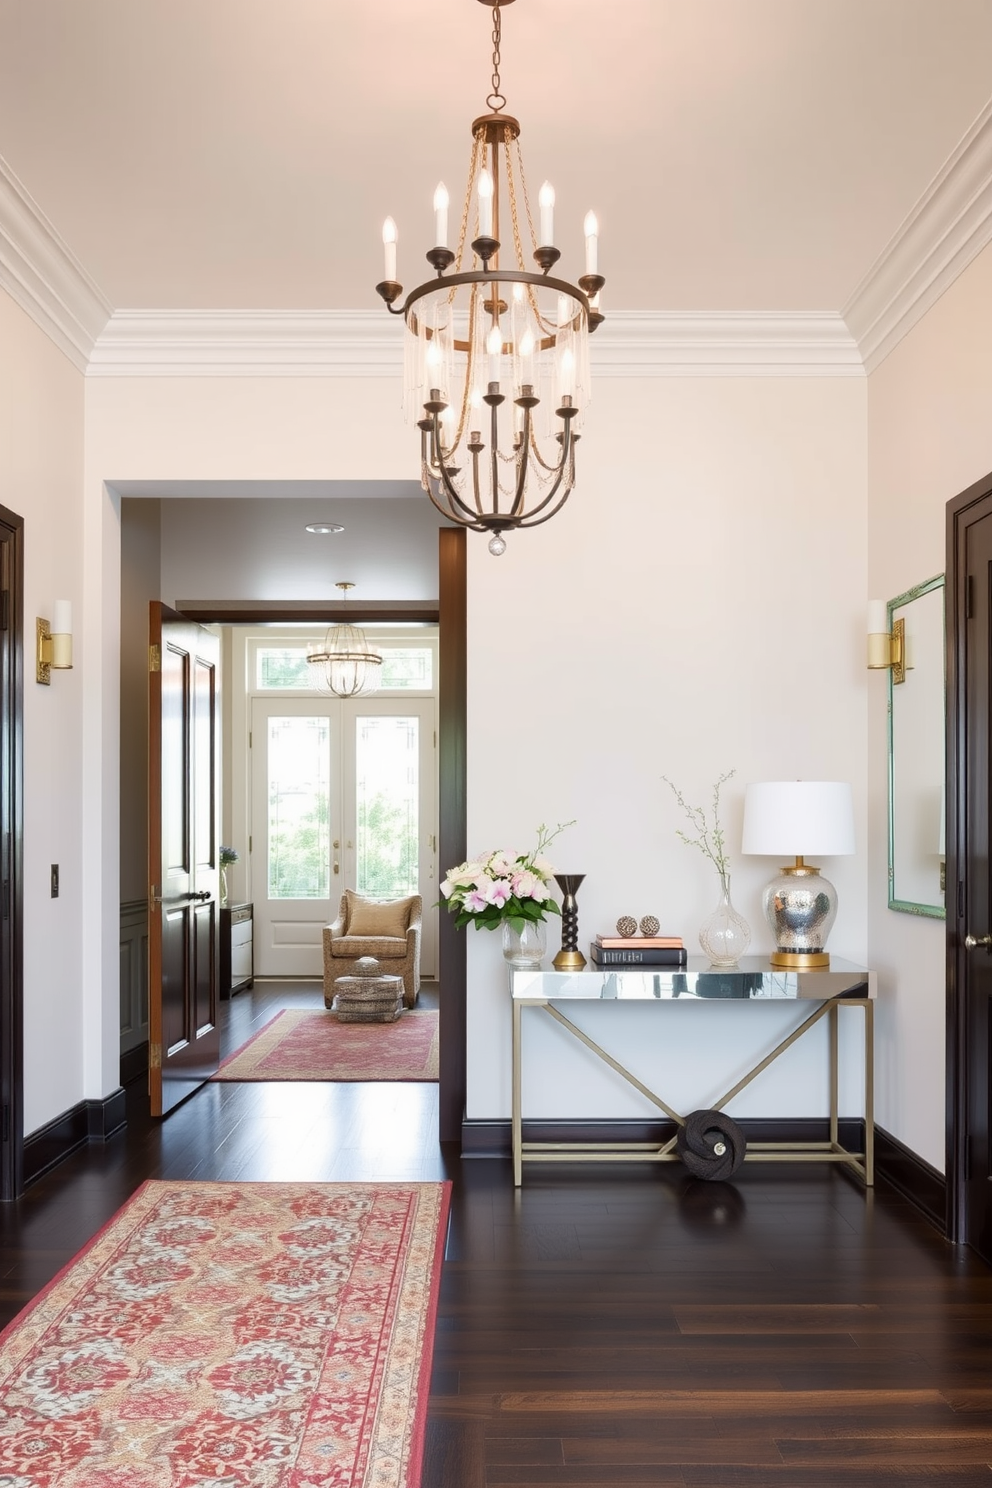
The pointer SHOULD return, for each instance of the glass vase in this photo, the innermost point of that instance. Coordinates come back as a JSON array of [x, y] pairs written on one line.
[[524, 950], [223, 884], [725, 935]]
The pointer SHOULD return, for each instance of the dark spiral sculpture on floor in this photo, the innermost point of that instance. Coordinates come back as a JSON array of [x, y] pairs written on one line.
[[711, 1145]]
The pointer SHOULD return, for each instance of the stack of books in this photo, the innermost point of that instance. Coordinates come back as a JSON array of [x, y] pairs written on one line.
[[638, 950]]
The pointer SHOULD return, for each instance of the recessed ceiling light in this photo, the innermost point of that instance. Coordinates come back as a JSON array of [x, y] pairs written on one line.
[[324, 527]]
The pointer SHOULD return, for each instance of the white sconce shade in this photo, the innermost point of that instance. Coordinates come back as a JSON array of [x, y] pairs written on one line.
[[54, 642]]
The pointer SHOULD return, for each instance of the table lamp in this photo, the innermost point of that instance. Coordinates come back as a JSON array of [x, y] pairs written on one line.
[[792, 818]]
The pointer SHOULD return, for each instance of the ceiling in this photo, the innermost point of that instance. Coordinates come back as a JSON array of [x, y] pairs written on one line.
[[747, 155]]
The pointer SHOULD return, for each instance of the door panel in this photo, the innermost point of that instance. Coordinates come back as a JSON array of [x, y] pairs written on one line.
[[184, 799], [969, 898]]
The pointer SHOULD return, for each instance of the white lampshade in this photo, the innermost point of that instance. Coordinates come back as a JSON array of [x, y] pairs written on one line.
[[798, 818]]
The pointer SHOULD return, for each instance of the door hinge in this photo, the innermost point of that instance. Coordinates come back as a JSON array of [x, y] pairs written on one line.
[[969, 598], [154, 1056], [154, 659]]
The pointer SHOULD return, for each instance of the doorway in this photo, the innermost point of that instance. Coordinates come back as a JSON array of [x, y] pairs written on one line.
[[969, 882]]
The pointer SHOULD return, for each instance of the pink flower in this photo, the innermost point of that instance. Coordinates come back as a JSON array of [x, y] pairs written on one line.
[[475, 901], [499, 891]]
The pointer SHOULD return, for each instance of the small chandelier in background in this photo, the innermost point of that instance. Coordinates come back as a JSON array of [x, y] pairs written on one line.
[[497, 359], [346, 665]]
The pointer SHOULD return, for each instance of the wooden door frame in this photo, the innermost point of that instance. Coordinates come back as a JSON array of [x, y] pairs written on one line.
[[450, 615], [955, 580], [12, 967]]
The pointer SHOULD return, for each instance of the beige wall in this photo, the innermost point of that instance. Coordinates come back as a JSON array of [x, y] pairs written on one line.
[[41, 453], [929, 438]]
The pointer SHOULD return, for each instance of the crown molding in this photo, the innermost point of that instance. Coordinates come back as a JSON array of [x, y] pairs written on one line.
[[731, 344], [42, 275], [949, 226], [364, 343], [249, 343]]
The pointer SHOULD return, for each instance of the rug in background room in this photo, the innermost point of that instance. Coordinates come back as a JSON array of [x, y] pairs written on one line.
[[315, 1046], [256, 1335]]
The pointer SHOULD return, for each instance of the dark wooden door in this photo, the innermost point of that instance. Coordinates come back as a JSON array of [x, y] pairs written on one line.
[[969, 898], [11, 833], [183, 848]]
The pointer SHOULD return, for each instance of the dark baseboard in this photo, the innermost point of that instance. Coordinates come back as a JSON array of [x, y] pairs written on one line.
[[88, 1121], [134, 1064], [911, 1175], [492, 1138]]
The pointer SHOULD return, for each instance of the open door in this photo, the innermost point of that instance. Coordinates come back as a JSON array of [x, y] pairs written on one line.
[[183, 849]]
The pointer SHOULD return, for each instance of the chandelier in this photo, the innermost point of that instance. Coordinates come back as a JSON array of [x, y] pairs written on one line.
[[497, 356], [346, 665]]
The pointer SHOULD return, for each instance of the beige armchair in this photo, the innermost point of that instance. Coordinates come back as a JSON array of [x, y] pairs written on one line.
[[389, 932]]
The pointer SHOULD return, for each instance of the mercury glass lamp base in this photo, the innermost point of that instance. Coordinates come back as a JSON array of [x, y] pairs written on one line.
[[801, 906]]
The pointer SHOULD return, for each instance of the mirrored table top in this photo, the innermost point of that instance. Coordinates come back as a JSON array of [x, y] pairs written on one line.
[[754, 979]]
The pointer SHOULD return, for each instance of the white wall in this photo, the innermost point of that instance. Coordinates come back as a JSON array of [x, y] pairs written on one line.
[[697, 607], [929, 438], [41, 453]]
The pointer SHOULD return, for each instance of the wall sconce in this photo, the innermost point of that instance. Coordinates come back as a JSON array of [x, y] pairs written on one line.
[[886, 648], [54, 642]]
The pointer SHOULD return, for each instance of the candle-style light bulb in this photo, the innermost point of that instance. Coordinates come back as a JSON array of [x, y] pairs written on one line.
[[389, 236], [485, 204], [592, 243], [441, 216], [546, 199], [566, 373], [527, 344], [494, 346]]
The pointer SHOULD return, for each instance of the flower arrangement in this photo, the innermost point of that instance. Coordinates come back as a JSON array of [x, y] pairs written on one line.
[[228, 855], [709, 837], [503, 886]]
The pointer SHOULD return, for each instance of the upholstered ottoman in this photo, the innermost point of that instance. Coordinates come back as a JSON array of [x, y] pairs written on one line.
[[368, 996]]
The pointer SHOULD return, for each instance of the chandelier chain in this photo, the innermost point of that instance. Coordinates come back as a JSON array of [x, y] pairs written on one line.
[[496, 99]]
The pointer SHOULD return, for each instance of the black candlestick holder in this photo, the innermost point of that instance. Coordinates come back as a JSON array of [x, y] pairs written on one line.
[[569, 958]]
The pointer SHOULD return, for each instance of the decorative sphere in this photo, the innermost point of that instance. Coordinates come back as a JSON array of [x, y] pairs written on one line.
[[650, 925], [626, 925], [497, 545]]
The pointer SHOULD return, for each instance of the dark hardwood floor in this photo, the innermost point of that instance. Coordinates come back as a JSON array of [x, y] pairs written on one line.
[[606, 1326]]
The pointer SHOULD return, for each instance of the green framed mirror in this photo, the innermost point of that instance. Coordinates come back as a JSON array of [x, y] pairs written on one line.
[[916, 753]]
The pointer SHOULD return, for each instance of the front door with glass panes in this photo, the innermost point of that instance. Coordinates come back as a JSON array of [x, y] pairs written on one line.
[[343, 795]]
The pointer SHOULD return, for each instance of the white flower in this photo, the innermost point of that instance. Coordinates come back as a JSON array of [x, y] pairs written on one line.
[[543, 867]]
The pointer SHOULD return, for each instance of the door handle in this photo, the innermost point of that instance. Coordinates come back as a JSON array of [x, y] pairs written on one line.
[[337, 866], [202, 894], [972, 942]]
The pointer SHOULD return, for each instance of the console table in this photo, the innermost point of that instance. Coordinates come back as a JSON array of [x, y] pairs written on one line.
[[754, 980]]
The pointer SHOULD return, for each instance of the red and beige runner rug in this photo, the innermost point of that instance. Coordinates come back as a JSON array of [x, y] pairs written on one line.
[[236, 1335], [315, 1046]]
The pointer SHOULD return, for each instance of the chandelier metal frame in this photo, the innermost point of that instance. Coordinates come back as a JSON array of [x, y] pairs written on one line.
[[467, 328], [347, 666]]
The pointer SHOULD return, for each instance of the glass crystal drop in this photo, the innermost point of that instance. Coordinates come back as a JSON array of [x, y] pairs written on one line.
[[497, 545]]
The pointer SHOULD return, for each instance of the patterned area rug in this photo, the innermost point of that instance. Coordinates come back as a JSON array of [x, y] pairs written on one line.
[[315, 1046], [250, 1335]]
